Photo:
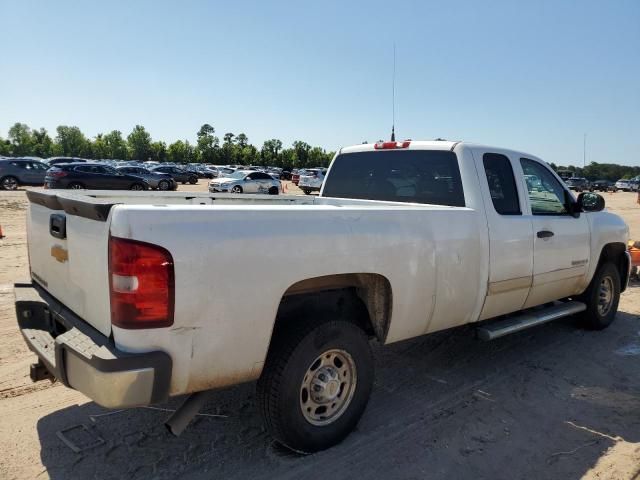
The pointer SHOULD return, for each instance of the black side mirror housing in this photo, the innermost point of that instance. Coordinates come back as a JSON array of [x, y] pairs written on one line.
[[590, 202], [571, 205]]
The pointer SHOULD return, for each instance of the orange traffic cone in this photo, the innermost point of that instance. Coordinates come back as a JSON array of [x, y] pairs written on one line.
[[1, 234]]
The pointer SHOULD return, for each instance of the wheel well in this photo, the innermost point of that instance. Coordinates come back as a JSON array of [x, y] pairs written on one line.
[[364, 298], [614, 253]]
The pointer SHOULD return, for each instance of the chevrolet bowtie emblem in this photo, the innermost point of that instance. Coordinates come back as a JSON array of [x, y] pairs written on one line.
[[59, 253]]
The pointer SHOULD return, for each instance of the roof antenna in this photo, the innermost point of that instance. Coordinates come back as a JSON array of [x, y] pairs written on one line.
[[393, 96]]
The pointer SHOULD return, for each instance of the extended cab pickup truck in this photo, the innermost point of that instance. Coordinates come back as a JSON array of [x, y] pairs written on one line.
[[132, 302]]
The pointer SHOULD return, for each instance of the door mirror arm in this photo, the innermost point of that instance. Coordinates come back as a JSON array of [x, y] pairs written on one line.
[[571, 205]]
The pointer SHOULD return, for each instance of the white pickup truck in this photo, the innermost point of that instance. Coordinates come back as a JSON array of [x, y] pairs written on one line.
[[139, 296]]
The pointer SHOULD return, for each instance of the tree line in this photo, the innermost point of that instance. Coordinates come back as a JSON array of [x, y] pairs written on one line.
[[69, 141], [601, 171]]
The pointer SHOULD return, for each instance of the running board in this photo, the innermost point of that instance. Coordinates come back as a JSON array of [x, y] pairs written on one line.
[[513, 324]]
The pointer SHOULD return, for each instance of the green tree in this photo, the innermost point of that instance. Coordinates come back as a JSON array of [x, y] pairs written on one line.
[[100, 148], [42, 145], [116, 145], [208, 144], [181, 152], [159, 151], [139, 142], [242, 140], [21, 139], [72, 142], [270, 150]]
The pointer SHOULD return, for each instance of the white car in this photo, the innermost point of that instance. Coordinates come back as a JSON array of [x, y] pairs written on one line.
[[246, 181], [624, 185], [413, 238], [311, 180]]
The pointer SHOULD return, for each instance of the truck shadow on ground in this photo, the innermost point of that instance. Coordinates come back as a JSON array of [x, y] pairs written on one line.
[[544, 403]]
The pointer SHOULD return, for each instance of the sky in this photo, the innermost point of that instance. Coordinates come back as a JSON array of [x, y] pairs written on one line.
[[530, 75]]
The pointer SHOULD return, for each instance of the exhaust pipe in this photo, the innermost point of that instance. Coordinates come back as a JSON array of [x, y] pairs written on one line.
[[180, 419]]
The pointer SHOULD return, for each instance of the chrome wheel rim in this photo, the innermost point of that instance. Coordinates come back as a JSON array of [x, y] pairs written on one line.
[[605, 296], [235, 189], [9, 184], [76, 186], [328, 387]]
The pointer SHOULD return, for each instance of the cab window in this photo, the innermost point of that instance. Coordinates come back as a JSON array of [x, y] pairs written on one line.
[[502, 184], [546, 194]]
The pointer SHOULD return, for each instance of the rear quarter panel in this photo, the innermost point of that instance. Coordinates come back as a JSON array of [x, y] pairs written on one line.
[[234, 263]]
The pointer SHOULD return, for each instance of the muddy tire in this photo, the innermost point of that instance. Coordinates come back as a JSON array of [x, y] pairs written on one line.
[[602, 297], [316, 384]]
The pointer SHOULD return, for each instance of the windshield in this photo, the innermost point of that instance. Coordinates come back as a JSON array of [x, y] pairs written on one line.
[[237, 175], [416, 176]]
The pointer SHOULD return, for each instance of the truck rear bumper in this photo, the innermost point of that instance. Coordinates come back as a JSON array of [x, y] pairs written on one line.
[[84, 359]]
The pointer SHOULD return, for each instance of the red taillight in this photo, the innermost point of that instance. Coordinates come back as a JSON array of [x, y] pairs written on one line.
[[141, 284], [391, 145], [57, 173]]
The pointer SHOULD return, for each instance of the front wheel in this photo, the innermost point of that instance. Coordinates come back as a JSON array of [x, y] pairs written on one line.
[[9, 183], [316, 384], [76, 186], [236, 189], [306, 191], [193, 180], [163, 185], [602, 297], [273, 191]]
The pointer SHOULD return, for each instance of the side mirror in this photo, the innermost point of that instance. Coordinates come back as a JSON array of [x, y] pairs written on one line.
[[590, 202]]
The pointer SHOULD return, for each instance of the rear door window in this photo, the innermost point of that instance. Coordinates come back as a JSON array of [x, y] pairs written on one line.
[[502, 184], [412, 176]]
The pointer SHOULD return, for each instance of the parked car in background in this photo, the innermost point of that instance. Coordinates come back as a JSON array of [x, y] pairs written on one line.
[[602, 186], [295, 176], [624, 185], [15, 172], [246, 181], [635, 184], [156, 180], [57, 160], [93, 176], [312, 180], [179, 174], [285, 175], [579, 184]]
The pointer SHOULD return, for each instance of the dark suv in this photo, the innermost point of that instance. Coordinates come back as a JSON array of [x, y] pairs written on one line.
[[94, 176], [178, 174], [15, 172]]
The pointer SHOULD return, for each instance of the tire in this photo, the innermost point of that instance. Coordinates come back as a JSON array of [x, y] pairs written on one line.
[[290, 412], [137, 186], [605, 286], [193, 180], [274, 191], [9, 183], [163, 185], [306, 191], [76, 186], [236, 189]]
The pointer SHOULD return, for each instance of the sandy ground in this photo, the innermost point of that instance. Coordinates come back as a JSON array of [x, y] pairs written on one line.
[[554, 402]]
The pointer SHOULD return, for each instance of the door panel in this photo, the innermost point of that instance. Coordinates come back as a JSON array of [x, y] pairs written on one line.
[[561, 242], [510, 234]]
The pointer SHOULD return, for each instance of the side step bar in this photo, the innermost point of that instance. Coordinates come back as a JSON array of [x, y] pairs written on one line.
[[513, 324]]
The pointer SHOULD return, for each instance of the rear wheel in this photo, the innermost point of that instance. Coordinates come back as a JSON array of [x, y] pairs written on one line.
[[236, 189], [163, 185], [316, 384], [193, 180], [76, 186], [306, 191], [9, 183], [273, 191], [137, 186], [602, 297]]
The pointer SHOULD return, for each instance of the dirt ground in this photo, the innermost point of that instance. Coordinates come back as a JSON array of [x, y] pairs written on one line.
[[553, 402]]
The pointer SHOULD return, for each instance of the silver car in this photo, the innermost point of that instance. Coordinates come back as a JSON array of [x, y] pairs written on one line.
[[246, 181]]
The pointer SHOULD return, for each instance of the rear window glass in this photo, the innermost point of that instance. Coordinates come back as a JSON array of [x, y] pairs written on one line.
[[414, 176]]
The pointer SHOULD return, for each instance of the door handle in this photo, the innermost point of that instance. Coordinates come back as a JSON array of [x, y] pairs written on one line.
[[545, 234]]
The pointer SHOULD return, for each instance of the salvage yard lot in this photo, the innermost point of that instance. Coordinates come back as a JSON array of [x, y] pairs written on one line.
[[551, 402]]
